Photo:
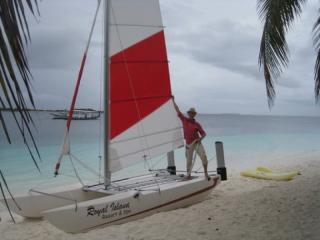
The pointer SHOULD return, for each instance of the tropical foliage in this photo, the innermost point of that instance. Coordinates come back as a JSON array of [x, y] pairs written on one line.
[[15, 75], [278, 16]]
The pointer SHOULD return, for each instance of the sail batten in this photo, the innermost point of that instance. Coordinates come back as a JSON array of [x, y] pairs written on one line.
[[140, 98], [147, 135], [140, 151], [136, 25]]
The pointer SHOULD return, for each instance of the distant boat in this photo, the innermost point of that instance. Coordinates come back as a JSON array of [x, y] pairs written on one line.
[[78, 114]]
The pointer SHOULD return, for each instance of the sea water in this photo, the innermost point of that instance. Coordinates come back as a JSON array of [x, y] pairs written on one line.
[[248, 141]]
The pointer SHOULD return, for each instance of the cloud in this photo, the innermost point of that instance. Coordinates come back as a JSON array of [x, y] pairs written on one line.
[[230, 42], [230, 46], [60, 49], [213, 49]]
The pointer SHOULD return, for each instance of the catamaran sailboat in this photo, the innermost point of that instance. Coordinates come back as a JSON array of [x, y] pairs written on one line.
[[140, 123]]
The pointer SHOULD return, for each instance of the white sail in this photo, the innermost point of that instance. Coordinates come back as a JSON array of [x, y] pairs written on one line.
[[133, 21], [144, 123], [162, 134]]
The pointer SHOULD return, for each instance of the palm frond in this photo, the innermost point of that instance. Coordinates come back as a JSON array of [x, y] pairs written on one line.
[[278, 16], [316, 44], [2, 122], [15, 74]]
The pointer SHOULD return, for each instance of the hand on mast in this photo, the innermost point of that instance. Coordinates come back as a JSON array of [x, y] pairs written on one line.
[[175, 105]]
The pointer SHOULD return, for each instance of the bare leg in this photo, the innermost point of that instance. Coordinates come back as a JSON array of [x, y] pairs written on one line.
[[205, 167], [189, 160], [202, 153]]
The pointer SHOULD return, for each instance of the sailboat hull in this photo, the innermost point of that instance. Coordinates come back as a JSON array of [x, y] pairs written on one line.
[[129, 205], [75, 209], [32, 204]]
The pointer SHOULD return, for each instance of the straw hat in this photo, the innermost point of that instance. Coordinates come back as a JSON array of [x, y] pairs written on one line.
[[193, 110]]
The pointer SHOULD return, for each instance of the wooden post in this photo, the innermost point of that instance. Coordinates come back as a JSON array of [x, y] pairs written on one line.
[[221, 169], [171, 164]]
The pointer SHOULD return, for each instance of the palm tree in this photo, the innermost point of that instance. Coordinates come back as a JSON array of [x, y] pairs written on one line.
[[15, 74], [278, 16]]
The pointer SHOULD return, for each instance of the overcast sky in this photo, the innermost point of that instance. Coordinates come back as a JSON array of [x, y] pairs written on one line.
[[212, 48]]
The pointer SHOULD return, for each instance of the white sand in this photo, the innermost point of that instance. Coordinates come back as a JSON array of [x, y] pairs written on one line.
[[240, 208]]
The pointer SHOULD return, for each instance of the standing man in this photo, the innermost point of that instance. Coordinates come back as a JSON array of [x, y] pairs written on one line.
[[193, 134]]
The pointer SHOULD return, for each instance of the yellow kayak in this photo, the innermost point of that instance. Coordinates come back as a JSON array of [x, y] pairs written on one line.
[[268, 174]]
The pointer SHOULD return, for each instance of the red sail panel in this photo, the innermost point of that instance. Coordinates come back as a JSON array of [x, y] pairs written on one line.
[[139, 84]]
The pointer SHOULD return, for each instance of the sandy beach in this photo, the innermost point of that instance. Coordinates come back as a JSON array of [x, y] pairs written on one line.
[[240, 208]]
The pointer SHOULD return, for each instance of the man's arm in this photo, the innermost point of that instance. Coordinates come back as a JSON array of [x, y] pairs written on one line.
[[202, 132], [176, 107], [180, 115]]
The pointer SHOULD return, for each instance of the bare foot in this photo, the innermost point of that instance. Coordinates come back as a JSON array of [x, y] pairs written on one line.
[[188, 177]]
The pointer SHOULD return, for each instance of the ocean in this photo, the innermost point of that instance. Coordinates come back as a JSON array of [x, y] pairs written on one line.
[[249, 141]]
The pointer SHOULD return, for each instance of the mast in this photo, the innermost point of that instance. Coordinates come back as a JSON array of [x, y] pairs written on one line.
[[106, 132]]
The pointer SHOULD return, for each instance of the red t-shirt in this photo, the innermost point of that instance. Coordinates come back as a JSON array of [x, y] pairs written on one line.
[[191, 129]]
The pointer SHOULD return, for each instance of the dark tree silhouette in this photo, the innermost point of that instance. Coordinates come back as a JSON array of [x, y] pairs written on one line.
[[278, 16], [15, 75]]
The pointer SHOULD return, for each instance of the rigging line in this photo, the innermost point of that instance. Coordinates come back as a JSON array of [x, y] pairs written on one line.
[[94, 172], [82, 68], [65, 150], [144, 149], [157, 162], [210, 160], [140, 124], [75, 171], [87, 167], [73, 177], [120, 187], [55, 196], [147, 183], [74, 98]]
